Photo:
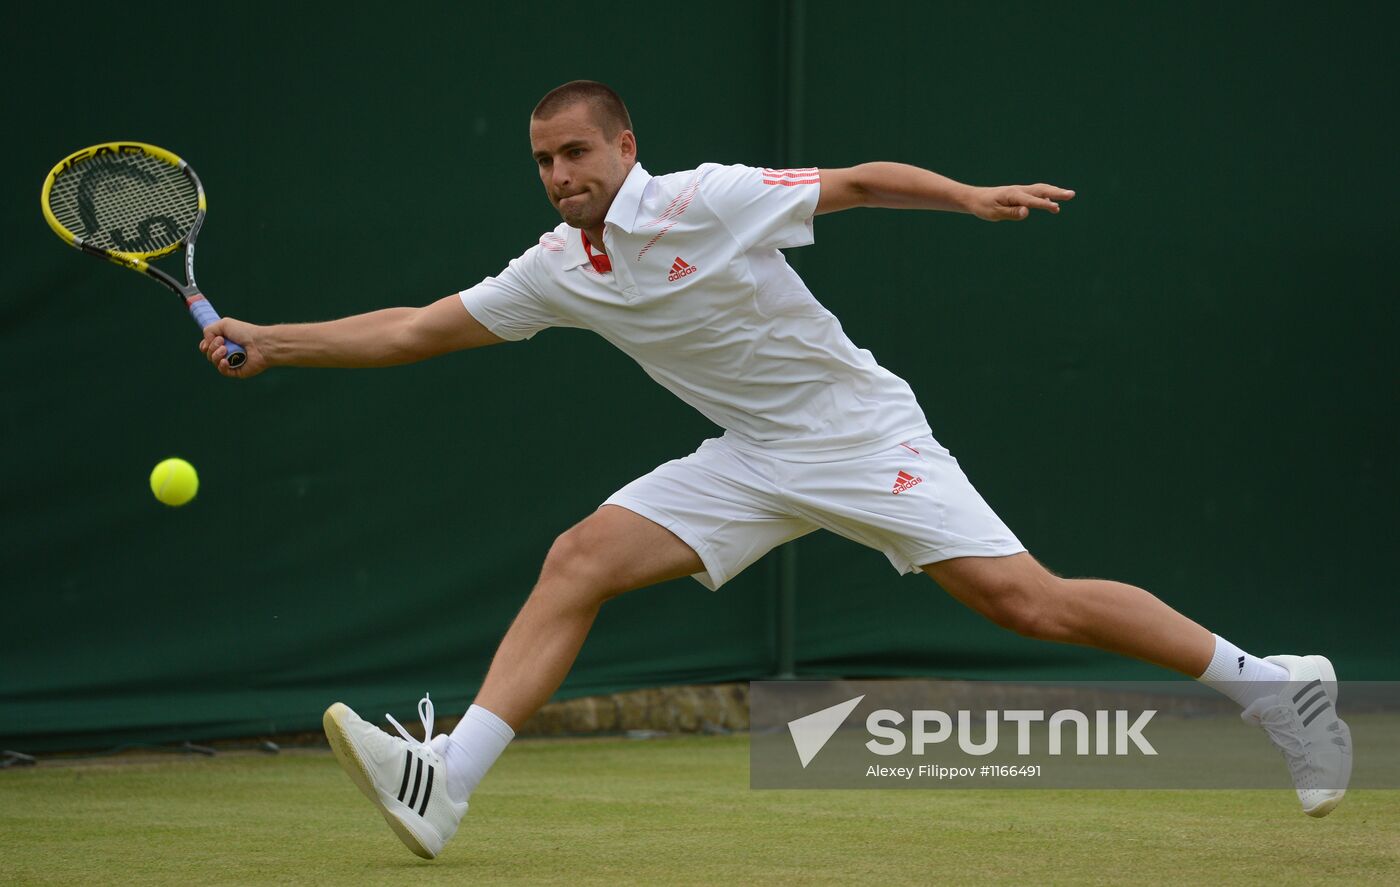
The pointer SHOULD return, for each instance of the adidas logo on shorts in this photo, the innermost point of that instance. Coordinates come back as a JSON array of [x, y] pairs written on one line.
[[904, 481]]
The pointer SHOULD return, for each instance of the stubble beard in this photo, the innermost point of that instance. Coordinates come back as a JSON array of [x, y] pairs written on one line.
[[581, 217], [574, 218]]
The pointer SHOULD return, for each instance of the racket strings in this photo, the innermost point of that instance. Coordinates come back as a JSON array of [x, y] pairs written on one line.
[[131, 203]]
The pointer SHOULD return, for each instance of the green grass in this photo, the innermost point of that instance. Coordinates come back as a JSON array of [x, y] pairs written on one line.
[[670, 811]]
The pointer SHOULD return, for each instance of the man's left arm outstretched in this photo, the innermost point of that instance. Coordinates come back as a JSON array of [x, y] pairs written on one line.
[[901, 186]]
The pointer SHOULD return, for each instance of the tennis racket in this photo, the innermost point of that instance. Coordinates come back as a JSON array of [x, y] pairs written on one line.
[[130, 203]]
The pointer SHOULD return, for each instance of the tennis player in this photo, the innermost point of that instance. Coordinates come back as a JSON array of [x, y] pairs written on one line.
[[684, 273]]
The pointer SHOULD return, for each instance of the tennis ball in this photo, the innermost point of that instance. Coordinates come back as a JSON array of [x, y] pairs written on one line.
[[174, 481]]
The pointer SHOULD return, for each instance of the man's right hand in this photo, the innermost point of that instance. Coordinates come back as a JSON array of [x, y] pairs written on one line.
[[245, 334]]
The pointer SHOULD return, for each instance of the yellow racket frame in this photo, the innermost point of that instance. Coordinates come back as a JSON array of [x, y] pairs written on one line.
[[134, 261]]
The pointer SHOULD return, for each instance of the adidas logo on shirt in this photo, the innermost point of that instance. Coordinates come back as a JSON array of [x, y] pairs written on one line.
[[904, 481], [679, 269]]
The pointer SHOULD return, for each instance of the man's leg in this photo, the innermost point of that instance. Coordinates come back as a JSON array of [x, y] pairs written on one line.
[[1289, 696], [722, 503], [1016, 592], [611, 551]]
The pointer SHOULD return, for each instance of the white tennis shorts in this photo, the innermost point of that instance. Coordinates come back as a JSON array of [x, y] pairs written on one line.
[[910, 501]]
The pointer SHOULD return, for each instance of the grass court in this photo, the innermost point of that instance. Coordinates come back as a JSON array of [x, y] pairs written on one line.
[[661, 811]]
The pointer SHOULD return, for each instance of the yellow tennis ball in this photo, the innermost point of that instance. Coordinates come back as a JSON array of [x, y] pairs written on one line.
[[174, 482]]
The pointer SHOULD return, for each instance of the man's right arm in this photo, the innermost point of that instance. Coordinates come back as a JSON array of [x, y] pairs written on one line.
[[388, 337]]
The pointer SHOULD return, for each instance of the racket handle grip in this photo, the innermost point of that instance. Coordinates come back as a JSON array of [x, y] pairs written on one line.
[[204, 314]]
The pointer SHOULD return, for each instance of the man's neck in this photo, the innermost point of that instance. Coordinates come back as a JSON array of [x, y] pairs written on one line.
[[598, 257], [595, 239]]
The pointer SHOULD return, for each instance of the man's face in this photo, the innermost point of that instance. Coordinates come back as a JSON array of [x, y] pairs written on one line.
[[581, 169]]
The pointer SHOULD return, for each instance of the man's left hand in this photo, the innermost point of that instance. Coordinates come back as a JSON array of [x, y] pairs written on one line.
[[1014, 202]]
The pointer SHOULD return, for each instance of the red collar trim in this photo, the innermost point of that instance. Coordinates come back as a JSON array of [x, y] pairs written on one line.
[[601, 264]]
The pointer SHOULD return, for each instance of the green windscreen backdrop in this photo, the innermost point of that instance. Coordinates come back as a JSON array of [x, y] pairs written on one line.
[[1181, 381]]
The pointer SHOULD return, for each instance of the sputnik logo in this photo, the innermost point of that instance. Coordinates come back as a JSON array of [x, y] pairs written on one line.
[[810, 733]]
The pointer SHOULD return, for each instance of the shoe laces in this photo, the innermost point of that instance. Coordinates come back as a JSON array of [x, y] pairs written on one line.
[[425, 714], [1281, 723]]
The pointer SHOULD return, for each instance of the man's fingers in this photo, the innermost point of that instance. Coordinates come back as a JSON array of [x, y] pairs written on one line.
[[1005, 211], [1041, 197], [1050, 191], [1016, 206], [226, 370], [1012, 203], [1038, 203], [213, 348]]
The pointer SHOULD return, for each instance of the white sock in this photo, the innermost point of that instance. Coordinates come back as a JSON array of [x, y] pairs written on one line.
[[1242, 677], [475, 744]]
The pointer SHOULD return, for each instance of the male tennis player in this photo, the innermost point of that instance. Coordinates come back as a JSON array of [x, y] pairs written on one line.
[[683, 273]]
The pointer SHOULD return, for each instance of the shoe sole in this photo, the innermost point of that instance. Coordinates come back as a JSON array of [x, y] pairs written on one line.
[[355, 768]]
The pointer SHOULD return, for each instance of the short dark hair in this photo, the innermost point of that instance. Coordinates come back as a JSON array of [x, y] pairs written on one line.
[[607, 107]]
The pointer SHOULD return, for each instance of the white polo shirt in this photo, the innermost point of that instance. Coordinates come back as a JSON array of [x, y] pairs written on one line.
[[700, 296]]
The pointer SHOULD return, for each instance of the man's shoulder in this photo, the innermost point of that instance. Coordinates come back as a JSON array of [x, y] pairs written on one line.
[[551, 247], [681, 179], [553, 243], [670, 193], [725, 182], [668, 184], [548, 251]]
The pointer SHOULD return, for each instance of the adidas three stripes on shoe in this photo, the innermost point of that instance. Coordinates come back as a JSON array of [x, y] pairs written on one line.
[[1302, 722], [405, 778]]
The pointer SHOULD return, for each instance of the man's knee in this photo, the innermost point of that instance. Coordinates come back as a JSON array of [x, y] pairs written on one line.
[[1028, 605], [571, 571], [1031, 602], [577, 566], [612, 551]]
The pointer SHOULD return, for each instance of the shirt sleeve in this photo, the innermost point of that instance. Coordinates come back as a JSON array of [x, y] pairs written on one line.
[[512, 304], [764, 208]]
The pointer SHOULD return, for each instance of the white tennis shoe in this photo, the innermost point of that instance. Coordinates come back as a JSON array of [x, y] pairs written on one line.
[[405, 778], [1301, 720]]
